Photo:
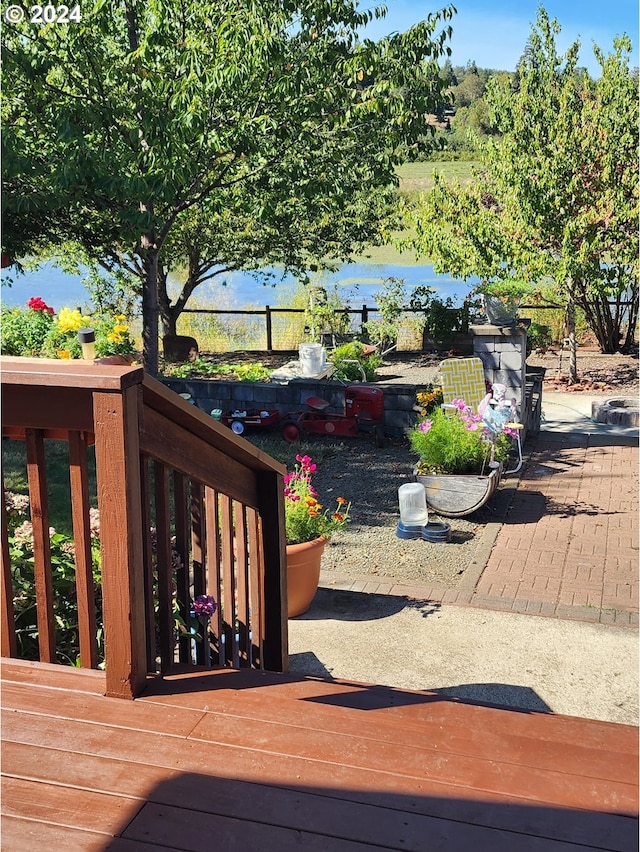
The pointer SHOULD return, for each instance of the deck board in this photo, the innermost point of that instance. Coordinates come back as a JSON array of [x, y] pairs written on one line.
[[278, 762]]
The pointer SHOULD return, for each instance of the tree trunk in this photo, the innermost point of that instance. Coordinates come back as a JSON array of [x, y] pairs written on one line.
[[150, 309], [571, 328]]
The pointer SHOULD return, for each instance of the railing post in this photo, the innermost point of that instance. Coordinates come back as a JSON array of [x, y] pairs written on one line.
[[269, 329], [271, 511], [119, 502]]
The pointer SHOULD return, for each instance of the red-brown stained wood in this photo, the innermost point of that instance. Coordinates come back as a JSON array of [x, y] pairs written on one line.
[[280, 768], [213, 563], [256, 580], [271, 509], [119, 502], [228, 580], [182, 549], [8, 643], [39, 510], [242, 574], [85, 595], [164, 566]]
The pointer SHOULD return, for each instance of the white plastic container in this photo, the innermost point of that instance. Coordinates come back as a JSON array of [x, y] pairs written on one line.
[[311, 358], [413, 503]]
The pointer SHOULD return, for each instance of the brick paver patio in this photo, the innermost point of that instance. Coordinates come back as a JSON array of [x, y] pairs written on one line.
[[569, 544]]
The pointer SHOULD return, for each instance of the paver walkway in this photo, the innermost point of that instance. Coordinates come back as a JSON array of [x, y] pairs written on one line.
[[569, 544]]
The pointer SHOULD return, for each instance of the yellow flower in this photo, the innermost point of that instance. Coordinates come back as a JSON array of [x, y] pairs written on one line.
[[120, 328], [114, 338], [120, 317], [69, 320], [63, 353]]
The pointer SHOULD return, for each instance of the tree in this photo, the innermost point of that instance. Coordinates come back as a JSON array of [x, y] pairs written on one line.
[[557, 198], [143, 122]]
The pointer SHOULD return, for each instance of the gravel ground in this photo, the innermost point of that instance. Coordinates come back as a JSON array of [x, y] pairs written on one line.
[[369, 547], [369, 478]]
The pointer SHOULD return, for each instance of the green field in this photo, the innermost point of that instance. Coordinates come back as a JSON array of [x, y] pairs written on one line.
[[418, 177]]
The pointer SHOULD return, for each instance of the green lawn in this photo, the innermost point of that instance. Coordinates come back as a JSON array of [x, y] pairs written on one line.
[[418, 177]]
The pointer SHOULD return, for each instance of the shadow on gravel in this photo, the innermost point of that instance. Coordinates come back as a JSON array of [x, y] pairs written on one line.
[[358, 606], [503, 695]]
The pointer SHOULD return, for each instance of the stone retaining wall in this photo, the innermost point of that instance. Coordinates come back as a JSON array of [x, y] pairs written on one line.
[[208, 395]]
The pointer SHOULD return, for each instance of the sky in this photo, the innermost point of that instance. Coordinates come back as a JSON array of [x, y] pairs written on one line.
[[493, 33]]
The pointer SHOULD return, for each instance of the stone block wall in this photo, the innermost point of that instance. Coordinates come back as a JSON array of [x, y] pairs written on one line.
[[208, 395], [503, 352]]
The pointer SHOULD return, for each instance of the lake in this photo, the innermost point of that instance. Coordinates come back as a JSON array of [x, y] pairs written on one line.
[[358, 284]]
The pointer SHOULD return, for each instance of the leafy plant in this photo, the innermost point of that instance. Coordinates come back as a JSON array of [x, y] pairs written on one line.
[[458, 442], [24, 331], [538, 337], [343, 357], [390, 303], [304, 516], [201, 367], [326, 313]]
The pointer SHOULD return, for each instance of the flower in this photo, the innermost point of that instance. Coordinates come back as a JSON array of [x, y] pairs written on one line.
[[459, 441], [204, 606], [36, 303], [304, 516]]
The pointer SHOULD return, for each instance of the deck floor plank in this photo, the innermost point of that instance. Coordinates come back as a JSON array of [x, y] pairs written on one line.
[[269, 762]]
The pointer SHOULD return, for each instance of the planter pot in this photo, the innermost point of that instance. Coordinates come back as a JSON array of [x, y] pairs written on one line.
[[303, 574], [500, 312], [455, 496]]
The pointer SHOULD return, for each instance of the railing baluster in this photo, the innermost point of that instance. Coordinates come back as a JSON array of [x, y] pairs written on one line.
[[164, 566], [228, 580], [85, 595], [242, 574], [182, 549], [8, 643], [36, 474], [256, 579], [214, 547], [147, 561], [198, 552]]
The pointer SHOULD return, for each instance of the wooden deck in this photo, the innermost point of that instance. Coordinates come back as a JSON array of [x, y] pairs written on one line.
[[230, 760]]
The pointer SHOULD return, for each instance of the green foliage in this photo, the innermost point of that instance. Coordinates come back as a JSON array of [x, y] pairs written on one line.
[[39, 333], [557, 196], [390, 302], [538, 337], [21, 553], [211, 136], [342, 356], [305, 517], [444, 443], [24, 331], [326, 313], [203, 368]]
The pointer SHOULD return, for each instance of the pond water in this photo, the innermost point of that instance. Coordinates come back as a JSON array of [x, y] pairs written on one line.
[[357, 284]]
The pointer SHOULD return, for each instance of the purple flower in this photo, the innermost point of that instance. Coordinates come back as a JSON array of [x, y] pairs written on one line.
[[425, 425], [204, 606]]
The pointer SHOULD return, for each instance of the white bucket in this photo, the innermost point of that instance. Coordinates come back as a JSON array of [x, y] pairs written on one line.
[[312, 358]]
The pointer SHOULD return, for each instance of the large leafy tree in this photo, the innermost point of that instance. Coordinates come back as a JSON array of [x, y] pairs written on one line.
[[138, 131], [557, 196]]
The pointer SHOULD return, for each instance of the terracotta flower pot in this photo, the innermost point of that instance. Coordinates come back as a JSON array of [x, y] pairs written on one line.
[[303, 574]]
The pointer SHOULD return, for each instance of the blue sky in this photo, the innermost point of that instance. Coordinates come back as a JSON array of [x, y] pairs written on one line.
[[493, 33]]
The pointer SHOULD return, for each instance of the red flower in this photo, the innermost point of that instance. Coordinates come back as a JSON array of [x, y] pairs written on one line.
[[36, 303]]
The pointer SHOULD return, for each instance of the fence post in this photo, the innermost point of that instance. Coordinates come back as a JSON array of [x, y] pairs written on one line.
[[271, 510], [364, 319], [267, 310], [119, 501]]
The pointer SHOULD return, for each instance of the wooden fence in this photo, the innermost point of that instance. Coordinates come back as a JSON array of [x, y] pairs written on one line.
[[213, 502]]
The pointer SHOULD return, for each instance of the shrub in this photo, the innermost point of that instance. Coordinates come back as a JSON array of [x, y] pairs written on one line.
[[24, 331], [343, 357]]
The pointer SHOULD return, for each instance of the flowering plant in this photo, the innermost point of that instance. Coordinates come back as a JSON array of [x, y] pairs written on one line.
[[39, 332], [459, 441], [304, 516]]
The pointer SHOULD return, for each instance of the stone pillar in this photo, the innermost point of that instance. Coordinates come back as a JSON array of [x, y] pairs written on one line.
[[503, 352]]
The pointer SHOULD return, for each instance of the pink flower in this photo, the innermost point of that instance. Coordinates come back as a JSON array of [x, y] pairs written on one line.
[[425, 425]]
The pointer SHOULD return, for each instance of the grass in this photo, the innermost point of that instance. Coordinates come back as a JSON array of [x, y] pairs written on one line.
[[418, 177]]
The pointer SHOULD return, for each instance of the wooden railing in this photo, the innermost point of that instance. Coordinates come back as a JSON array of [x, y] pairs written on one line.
[[186, 508]]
